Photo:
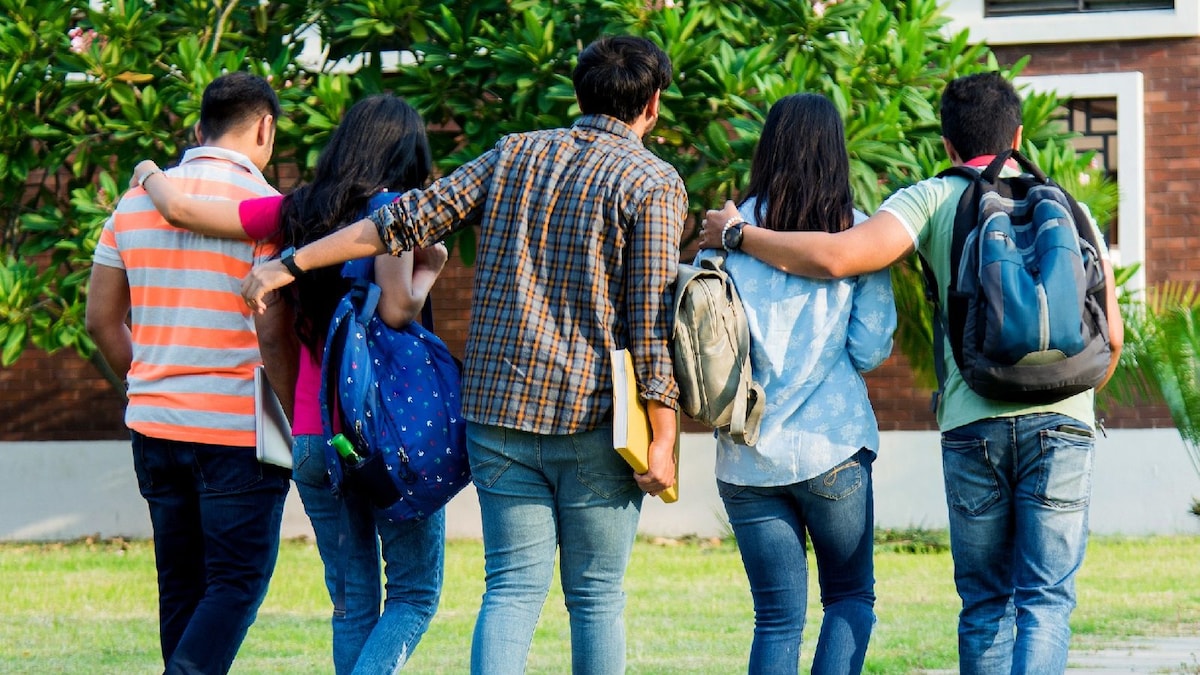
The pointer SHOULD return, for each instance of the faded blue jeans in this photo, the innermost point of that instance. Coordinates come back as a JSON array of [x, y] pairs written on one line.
[[1018, 490], [215, 511], [538, 494], [836, 510], [366, 641]]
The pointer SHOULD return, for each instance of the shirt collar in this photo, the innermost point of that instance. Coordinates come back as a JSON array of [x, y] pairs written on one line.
[[611, 125], [983, 161], [214, 152]]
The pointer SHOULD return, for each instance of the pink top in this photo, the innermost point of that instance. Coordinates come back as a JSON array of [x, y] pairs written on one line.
[[260, 220]]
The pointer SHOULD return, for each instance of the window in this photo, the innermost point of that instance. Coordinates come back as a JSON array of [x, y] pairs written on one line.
[[1107, 109], [1026, 7], [1095, 120], [1006, 22]]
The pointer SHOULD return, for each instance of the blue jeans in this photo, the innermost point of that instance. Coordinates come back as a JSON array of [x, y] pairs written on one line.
[[216, 512], [1018, 491], [836, 509], [365, 640], [539, 493]]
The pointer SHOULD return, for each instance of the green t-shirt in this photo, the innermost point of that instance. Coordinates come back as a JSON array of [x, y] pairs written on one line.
[[927, 212]]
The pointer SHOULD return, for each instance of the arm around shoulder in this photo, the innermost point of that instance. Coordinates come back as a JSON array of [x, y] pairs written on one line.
[[870, 246], [213, 218]]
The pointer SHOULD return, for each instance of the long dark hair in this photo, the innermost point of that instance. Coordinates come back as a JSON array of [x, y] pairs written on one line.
[[379, 145], [800, 175]]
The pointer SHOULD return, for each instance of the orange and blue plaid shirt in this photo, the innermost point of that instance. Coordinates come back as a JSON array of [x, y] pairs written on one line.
[[577, 255]]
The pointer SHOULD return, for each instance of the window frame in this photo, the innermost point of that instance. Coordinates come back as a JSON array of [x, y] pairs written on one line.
[[1128, 90], [1182, 21]]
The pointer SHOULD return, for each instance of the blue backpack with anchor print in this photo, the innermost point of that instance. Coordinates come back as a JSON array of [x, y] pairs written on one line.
[[397, 397]]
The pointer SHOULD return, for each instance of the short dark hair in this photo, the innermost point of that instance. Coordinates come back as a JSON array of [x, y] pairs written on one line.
[[980, 114], [617, 76], [800, 174], [234, 99]]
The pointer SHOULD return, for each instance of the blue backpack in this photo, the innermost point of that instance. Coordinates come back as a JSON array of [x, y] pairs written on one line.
[[1026, 301], [396, 394]]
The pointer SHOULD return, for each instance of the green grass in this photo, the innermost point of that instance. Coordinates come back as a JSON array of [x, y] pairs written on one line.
[[89, 607]]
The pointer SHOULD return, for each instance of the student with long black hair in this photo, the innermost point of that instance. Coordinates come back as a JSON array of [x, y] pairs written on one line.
[[379, 147], [808, 477]]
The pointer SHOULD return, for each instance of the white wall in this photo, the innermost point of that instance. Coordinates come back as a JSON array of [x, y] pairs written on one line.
[[1143, 484]]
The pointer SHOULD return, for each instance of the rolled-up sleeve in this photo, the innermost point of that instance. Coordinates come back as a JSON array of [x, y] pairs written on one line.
[[653, 265], [420, 218]]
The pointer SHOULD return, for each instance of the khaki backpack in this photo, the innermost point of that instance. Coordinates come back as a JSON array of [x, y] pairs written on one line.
[[711, 352]]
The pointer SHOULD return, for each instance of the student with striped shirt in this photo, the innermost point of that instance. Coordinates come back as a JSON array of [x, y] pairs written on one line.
[[578, 249], [188, 359]]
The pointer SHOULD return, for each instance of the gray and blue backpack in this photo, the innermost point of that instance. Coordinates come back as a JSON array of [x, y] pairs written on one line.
[[1026, 298]]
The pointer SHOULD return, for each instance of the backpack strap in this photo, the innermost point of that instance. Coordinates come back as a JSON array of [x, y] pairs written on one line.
[[966, 215], [748, 403]]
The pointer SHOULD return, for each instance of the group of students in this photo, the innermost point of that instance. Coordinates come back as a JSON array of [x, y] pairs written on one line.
[[579, 234]]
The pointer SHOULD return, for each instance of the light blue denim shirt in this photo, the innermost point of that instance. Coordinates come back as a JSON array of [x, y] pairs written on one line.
[[810, 340]]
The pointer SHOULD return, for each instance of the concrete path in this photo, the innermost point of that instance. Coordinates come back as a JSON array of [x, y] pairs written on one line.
[[1169, 655], [1141, 655]]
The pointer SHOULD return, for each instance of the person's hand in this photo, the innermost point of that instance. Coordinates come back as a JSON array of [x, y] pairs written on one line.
[[263, 279], [143, 169], [714, 223], [431, 259], [661, 474]]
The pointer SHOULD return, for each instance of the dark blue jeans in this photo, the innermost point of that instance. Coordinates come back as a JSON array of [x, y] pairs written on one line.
[[216, 513], [835, 511]]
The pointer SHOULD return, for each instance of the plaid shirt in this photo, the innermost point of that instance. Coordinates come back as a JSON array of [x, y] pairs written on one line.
[[577, 255]]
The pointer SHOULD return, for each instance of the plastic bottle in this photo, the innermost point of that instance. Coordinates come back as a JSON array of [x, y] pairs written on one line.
[[345, 449]]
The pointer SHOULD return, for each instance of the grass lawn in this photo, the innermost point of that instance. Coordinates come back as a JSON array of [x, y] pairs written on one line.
[[89, 607]]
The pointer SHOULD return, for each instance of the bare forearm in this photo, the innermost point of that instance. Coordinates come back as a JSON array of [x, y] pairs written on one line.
[[357, 240], [807, 254], [280, 351], [116, 346], [1116, 325]]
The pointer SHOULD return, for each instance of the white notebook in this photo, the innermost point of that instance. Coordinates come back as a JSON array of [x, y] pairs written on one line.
[[272, 432]]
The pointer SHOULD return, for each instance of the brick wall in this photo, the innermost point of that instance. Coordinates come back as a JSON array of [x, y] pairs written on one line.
[[63, 397]]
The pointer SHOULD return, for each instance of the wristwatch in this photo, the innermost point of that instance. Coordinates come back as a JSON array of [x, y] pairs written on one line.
[[288, 258], [731, 234]]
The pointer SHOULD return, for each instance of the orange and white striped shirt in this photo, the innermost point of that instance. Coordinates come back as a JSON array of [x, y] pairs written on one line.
[[194, 344]]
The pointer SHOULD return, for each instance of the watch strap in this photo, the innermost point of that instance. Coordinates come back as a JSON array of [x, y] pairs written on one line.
[[288, 258]]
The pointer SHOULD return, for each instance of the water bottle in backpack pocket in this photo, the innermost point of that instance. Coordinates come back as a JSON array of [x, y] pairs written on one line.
[[396, 394]]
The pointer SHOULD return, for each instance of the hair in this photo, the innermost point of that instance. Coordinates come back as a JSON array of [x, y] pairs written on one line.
[[233, 100], [980, 114], [379, 145], [800, 174], [617, 76]]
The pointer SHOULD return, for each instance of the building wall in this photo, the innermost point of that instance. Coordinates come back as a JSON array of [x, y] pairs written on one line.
[[63, 491]]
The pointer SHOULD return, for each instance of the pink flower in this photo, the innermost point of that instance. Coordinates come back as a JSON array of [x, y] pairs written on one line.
[[81, 40], [1085, 178], [819, 9]]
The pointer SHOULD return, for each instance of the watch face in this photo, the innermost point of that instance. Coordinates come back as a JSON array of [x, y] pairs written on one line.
[[732, 237]]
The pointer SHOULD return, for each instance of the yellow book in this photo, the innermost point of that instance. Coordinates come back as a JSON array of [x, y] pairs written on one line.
[[631, 422]]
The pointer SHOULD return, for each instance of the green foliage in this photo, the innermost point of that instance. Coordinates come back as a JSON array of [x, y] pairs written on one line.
[[1161, 358], [74, 121]]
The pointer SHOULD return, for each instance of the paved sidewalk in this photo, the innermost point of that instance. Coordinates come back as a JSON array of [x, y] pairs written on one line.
[[1170, 655], [1140, 655]]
